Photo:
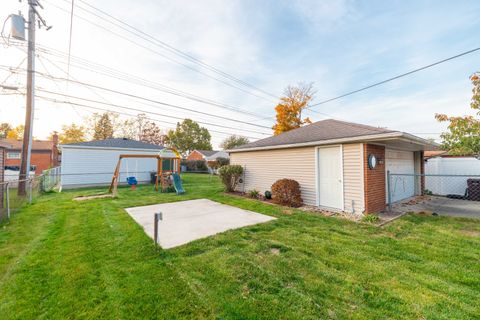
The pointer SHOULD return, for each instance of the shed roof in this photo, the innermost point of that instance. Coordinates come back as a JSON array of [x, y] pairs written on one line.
[[121, 143]]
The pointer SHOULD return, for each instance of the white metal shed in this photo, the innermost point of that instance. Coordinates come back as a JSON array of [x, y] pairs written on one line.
[[92, 163]]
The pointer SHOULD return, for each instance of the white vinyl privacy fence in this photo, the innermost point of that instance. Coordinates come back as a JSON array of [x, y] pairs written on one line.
[[450, 175]]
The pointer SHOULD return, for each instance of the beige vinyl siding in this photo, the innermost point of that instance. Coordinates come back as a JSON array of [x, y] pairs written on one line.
[[353, 188], [263, 168]]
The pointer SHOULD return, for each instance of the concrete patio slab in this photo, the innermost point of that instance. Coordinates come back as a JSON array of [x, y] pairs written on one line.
[[440, 205], [186, 221]]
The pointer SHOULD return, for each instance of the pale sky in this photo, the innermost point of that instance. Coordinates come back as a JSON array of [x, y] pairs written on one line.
[[338, 45]]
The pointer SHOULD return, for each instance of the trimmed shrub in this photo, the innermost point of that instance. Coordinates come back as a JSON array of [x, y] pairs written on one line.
[[230, 176], [268, 195], [287, 192]]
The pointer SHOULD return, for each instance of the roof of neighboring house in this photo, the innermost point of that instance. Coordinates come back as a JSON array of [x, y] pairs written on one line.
[[207, 153], [324, 131], [431, 154], [122, 143], [4, 144], [218, 154], [36, 144]]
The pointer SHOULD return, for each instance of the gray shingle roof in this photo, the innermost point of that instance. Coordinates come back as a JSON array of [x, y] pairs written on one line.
[[117, 143], [318, 131], [207, 153]]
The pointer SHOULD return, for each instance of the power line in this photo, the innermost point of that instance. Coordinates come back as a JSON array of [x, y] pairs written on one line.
[[114, 73], [159, 53], [394, 78], [144, 111], [177, 51], [152, 100], [124, 113], [70, 38]]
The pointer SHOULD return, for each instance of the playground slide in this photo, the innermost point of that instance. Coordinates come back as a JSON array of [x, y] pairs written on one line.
[[177, 183]]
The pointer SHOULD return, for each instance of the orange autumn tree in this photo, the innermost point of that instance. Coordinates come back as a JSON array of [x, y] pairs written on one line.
[[289, 110]]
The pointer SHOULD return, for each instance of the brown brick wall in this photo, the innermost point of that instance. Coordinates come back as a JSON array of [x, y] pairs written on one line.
[[195, 155], [374, 180], [42, 159]]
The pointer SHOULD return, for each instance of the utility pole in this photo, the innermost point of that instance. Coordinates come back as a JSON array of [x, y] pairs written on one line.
[[30, 103], [27, 134]]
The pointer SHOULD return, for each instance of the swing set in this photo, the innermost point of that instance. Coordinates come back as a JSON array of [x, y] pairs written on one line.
[[168, 169]]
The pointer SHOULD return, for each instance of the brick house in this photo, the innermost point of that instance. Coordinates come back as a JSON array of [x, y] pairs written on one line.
[[340, 166], [44, 154]]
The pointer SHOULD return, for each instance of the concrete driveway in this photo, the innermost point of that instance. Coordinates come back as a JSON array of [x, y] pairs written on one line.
[[186, 221], [440, 205]]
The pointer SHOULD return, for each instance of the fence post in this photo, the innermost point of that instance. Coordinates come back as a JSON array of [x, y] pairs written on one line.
[[8, 201], [389, 195], [30, 190]]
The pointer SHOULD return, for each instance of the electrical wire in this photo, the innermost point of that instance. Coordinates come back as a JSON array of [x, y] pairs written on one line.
[[143, 111], [394, 78], [101, 69], [126, 114], [175, 50], [151, 100], [70, 38], [161, 54]]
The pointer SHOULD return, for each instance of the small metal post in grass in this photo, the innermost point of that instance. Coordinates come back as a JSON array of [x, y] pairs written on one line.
[[158, 216]]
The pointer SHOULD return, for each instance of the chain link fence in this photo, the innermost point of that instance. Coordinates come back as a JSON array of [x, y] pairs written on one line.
[[11, 200], [448, 192]]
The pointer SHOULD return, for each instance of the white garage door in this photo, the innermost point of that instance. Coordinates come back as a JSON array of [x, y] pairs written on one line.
[[400, 162]]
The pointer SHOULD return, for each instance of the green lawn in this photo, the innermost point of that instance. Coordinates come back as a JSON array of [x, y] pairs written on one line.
[[61, 259]]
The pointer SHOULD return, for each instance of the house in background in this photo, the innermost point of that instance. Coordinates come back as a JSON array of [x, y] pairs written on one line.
[[44, 155], [93, 162], [207, 155], [339, 165]]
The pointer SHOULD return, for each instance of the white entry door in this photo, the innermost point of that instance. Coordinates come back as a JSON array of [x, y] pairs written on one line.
[[330, 177]]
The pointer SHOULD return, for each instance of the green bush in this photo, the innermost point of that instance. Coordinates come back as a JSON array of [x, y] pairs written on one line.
[[230, 176], [254, 194], [287, 192], [268, 195]]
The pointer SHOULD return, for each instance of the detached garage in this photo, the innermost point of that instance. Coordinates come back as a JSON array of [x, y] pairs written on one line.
[[340, 166], [93, 163]]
